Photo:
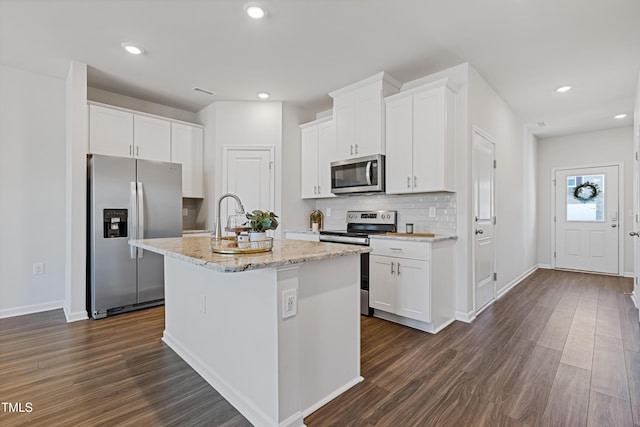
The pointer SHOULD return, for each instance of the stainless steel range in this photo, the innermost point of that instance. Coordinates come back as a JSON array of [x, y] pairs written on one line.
[[360, 225]]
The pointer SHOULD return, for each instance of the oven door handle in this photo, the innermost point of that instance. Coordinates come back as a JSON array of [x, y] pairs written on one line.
[[368, 173]]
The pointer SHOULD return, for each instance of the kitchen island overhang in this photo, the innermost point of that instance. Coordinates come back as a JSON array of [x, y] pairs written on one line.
[[225, 318]]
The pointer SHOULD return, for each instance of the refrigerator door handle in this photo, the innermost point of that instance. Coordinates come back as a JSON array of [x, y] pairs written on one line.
[[133, 215], [140, 215]]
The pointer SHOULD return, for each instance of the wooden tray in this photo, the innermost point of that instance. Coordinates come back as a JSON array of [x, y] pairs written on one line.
[[411, 234]]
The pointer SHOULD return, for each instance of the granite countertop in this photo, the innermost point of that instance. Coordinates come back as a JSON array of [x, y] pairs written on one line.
[[437, 238], [197, 251]]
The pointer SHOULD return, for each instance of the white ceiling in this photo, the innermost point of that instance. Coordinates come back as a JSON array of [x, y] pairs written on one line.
[[304, 49]]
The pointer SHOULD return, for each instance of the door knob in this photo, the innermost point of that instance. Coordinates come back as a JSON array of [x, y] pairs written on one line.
[[613, 225], [479, 231], [635, 234]]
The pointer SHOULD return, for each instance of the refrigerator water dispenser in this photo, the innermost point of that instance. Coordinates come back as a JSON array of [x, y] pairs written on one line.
[[114, 223]]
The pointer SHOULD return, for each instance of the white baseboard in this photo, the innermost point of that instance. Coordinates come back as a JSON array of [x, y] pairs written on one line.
[[74, 317], [232, 395], [634, 298], [30, 309], [628, 274], [545, 266], [516, 281], [311, 409], [465, 317]]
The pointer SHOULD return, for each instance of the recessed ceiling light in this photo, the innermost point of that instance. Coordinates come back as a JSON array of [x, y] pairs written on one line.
[[563, 89], [620, 116], [263, 95], [254, 10], [132, 49]]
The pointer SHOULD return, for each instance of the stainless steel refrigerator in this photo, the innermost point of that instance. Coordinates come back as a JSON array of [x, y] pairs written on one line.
[[129, 199]]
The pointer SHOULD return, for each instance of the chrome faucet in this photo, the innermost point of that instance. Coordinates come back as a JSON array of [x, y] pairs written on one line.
[[239, 210]]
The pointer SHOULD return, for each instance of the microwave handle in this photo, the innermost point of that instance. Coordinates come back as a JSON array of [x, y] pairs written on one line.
[[368, 173]]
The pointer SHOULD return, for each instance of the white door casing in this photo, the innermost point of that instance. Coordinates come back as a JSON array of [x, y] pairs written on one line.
[[483, 165], [587, 231], [248, 173]]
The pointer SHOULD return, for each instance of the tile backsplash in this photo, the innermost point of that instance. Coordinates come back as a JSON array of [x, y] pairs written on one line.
[[429, 212]]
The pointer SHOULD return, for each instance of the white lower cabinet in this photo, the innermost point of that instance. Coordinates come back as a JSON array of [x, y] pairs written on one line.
[[411, 282]]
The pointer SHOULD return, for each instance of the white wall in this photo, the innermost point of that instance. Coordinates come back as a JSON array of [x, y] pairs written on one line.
[[514, 183], [123, 101], [32, 188], [239, 123], [591, 148]]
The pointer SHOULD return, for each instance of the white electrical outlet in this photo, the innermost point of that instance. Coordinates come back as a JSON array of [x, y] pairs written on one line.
[[328, 212], [289, 303], [432, 212], [203, 308], [38, 268]]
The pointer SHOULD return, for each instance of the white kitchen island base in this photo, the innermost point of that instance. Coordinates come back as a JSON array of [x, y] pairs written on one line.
[[229, 328]]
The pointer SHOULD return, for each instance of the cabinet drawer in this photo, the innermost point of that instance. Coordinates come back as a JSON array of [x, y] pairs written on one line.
[[401, 249]]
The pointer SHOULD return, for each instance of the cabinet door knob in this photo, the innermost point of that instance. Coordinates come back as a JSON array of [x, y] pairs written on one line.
[[351, 149], [415, 181], [392, 272], [408, 182], [137, 151], [356, 148], [478, 231], [130, 153], [318, 189], [635, 234], [398, 269]]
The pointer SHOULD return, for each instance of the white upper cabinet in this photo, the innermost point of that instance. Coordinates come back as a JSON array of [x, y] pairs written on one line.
[[187, 148], [118, 132], [420, 135], [359, 118], [152, 138], [317, 152], [309, 166], [110, 131]]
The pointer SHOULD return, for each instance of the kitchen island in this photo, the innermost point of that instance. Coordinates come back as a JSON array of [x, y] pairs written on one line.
[[230, 318]]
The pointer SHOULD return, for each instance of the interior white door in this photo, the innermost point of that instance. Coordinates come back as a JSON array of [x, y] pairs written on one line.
[[636, 223], [484, 227], [587, 219], [248, 174]]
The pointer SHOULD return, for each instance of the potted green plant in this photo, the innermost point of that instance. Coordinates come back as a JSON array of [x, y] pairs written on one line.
[[260, 222], [316, 218]]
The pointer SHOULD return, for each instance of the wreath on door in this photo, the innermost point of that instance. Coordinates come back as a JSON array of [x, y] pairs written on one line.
[[586, 192]]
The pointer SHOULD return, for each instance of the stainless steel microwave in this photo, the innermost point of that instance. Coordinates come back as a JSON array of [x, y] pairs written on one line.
[[359, 175]]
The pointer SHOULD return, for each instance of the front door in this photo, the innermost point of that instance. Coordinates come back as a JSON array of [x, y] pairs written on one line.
[[587, 219], [483, 222]]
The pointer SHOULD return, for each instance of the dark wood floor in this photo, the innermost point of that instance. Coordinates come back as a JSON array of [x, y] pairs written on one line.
[[560, 349]]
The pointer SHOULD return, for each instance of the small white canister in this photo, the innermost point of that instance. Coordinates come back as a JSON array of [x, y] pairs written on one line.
[[243, 240]]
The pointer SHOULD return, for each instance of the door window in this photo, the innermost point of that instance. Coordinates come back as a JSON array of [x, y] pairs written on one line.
[[585, 198]]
